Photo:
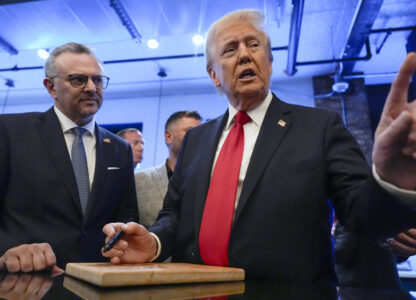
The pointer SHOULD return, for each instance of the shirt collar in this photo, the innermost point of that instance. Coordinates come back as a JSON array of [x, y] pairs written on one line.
[[67, 124], [256, 114]]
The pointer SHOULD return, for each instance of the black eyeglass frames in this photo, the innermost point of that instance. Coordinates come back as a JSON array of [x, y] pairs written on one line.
[[81, 80]]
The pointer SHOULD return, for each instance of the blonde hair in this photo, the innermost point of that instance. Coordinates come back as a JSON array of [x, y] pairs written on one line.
[[249, 16]]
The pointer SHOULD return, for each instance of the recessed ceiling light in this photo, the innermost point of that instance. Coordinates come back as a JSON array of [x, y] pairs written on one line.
[[197, 39], [152, 43], [44, 54]]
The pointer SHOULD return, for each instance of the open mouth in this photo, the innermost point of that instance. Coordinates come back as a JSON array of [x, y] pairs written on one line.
[[248, 73]]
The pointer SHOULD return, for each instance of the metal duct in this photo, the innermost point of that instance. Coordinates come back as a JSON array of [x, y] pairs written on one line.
[[365, 15], [294, 34]]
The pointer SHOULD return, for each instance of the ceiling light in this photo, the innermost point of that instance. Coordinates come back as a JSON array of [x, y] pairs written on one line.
[[197, 39], [340, 86], [152, 43], [44, 54]]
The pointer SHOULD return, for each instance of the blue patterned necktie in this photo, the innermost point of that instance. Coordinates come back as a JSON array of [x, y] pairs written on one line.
[[79, 163]]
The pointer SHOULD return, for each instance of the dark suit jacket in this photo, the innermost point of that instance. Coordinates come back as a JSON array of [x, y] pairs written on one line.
[[281, 228], [38, 193]]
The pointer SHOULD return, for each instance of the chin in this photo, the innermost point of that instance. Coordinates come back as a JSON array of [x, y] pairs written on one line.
[[90, 111], [254, 92]]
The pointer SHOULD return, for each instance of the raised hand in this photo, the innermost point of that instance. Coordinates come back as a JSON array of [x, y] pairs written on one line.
[[394, 153]]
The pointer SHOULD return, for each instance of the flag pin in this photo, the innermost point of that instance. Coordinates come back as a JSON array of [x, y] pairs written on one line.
[[281, 123], [106, 140]]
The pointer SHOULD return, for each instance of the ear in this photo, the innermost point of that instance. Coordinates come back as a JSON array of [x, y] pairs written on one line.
[[213, 75], [271, 68], [168, 137], [50, 86]]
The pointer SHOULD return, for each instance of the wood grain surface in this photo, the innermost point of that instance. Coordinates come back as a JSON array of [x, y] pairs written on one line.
[[88, 291], [107, 275]]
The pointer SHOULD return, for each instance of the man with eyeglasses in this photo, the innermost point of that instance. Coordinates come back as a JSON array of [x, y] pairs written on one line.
[[62, 177]]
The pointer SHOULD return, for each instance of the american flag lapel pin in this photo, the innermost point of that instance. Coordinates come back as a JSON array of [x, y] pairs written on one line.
[[281, 123], [106, 140]]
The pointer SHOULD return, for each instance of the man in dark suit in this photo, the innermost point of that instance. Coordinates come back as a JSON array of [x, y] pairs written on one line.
[[45, 220], [296, 165]]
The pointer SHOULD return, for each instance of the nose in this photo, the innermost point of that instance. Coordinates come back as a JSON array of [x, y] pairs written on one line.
[[90, 86], [138, 146], [244, 55]]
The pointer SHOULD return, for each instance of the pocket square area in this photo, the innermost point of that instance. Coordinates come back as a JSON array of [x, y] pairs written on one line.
[[113, 168]]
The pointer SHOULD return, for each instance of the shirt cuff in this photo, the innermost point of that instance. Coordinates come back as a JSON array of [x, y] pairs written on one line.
[[407, 197], [159, 247]]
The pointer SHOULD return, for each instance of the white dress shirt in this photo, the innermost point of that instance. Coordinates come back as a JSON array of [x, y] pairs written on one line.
[[88, 139], [251, 132]]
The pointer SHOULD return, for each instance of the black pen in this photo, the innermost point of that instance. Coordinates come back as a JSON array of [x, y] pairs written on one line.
[[114, 239]]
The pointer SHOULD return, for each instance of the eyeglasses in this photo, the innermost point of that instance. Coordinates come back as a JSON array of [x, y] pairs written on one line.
[[81, 80]]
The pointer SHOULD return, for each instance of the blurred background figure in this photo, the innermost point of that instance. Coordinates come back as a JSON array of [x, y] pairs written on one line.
[[152, 183], [135, 138]]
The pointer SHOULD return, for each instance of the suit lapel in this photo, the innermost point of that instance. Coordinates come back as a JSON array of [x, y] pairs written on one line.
[[275, 125], [50, 133]]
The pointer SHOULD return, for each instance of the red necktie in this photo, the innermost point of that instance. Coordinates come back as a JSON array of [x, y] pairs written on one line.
[[219, 206]]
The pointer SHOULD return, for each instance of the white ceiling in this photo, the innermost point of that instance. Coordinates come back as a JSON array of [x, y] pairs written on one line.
[[326, 25]]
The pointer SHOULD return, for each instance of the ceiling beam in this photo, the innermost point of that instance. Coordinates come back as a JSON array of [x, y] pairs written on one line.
[[126, 20], [365, 15], [8, 47], [294, 34], [5, 2]]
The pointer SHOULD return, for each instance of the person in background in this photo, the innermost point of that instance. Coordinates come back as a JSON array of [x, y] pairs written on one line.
[[152, 183], [362, 262], [256, 187], [135, 138], [62, 177]]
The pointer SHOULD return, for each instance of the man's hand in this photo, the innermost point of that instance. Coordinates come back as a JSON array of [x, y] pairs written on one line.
[[29, 258], [394, 153], [404, 244], [136, 246]]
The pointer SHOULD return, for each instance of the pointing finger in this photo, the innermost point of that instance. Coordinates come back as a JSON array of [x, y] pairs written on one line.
[[397, 97]]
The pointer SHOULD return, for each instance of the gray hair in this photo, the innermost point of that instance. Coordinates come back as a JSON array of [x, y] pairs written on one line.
[[50, 64], [123, 132], [250, 16]]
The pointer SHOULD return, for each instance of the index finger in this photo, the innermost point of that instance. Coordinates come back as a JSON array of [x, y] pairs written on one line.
[[397, 97], [133, 228], [111, 228], [411, 233]]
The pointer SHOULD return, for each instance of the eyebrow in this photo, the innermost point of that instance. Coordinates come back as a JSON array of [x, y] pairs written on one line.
[[249, 37]]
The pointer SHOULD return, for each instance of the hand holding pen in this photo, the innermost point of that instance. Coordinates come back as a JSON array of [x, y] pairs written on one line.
[[110, 244], [134, 245]]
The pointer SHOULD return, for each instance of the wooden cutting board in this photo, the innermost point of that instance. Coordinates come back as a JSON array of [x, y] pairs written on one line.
[[88, 291], [107, 274]]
